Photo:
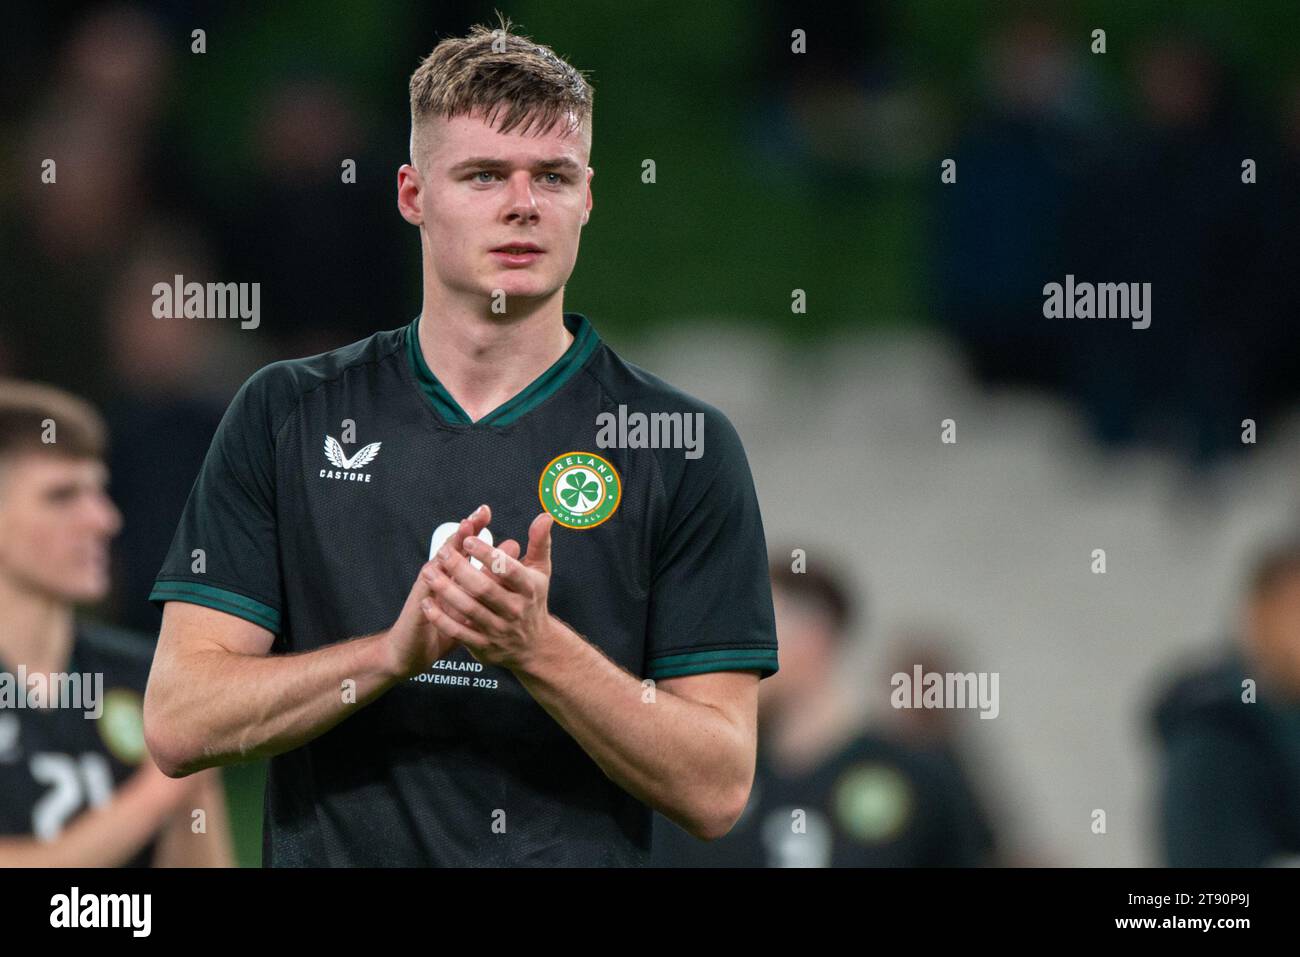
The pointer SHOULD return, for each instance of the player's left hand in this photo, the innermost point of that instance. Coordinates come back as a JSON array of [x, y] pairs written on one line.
[[498, 612]]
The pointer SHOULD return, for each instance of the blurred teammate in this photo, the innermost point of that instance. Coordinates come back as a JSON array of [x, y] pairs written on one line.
[[828, 793], [434, 699], [1230, 794], [76, 791]]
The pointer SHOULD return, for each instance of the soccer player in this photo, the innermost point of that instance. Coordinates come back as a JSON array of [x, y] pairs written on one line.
[[344, 593], [827, 792], [77, 787], [1230, 733]]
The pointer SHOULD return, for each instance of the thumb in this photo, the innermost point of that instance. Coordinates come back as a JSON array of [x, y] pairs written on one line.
[[539, 543]]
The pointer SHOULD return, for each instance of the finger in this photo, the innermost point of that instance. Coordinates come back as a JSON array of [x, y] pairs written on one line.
[[511, 548], [439, 618], [506, 569], [424, 582], [470, 527], [475, 583], [428, 600], [421, 586], [427, 607], [454, 600], [539, 544]]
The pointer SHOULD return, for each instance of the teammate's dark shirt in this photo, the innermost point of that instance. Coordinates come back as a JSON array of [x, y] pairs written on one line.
[[875, 803], [294, 525], [1230, 788], [55, 763]]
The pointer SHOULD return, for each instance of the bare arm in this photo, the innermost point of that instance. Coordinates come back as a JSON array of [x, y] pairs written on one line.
[[180, 845], [686, 747], [109, 835], [217, 696]]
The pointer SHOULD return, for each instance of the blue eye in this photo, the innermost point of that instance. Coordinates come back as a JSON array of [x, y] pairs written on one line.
[[483, 172]]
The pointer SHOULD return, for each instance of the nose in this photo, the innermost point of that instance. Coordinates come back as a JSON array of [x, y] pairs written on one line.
[[104, 515], [522, 204]]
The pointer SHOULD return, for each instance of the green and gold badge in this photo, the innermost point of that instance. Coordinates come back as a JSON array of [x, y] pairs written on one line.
[[580, 489], [121, 726], [873, 802]]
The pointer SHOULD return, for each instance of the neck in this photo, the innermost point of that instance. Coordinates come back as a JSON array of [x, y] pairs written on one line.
[[37, 631], [483, 359]]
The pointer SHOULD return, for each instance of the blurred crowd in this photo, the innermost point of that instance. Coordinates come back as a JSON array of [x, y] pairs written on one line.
[[230, 167], [139, 191], [1117, 166]]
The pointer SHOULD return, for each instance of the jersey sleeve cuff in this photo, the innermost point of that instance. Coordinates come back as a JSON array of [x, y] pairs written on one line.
[[221, 599], [762, 660]]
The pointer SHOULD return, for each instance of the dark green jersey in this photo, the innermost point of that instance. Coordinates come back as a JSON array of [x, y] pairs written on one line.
[[319, 501], [56, 763]]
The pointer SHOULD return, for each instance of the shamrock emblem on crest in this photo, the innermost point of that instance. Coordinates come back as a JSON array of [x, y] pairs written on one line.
[[581, 486]]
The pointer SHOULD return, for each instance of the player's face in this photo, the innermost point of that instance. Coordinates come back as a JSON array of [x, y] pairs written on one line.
[[801, 633], [1274, 630], [56, 521], [480, 190]]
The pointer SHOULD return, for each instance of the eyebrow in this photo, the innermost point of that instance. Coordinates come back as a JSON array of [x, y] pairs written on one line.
[[488, 162]]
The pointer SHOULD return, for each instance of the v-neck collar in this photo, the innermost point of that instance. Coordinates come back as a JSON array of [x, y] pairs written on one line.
[[534, 394]]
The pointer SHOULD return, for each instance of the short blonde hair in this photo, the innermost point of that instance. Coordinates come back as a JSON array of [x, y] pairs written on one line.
[[491, 68], [25, 407]]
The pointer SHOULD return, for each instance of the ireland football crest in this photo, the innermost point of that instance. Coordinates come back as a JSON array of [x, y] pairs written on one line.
[[579, 489]]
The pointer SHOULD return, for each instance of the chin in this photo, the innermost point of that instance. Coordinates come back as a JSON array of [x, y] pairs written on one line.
[[84, 589], [528, 293]]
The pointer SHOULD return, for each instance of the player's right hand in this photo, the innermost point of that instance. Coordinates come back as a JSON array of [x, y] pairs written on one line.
[[413, 642]]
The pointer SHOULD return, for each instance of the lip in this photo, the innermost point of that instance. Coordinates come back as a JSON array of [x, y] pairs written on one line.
[[519, 259]]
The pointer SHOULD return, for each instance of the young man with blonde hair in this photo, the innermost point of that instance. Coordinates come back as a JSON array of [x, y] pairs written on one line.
[[343, 595], [77, 788]]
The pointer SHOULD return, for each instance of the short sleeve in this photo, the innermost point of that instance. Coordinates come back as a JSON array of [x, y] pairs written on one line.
[[710, 591], [225, 554]]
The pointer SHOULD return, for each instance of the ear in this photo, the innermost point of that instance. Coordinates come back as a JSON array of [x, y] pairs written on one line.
[[409, 188]]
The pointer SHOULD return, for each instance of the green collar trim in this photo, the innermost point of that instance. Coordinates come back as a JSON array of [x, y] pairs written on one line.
[[538, 391]]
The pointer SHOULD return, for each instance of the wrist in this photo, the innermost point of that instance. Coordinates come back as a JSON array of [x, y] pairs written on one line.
[[383, 661], [554, 645]]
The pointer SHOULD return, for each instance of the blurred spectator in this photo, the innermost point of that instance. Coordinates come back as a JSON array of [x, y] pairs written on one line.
[[826, 792], [77, 785], [170, 395], [1230, 794], [96, 123], [937, 731], [1168, 207], [1001, 226], [328, 253], [1273, 339]]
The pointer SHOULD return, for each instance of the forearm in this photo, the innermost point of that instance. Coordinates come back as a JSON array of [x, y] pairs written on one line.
[[105, 836], [215, 707], [181, 845], [681, 757]]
